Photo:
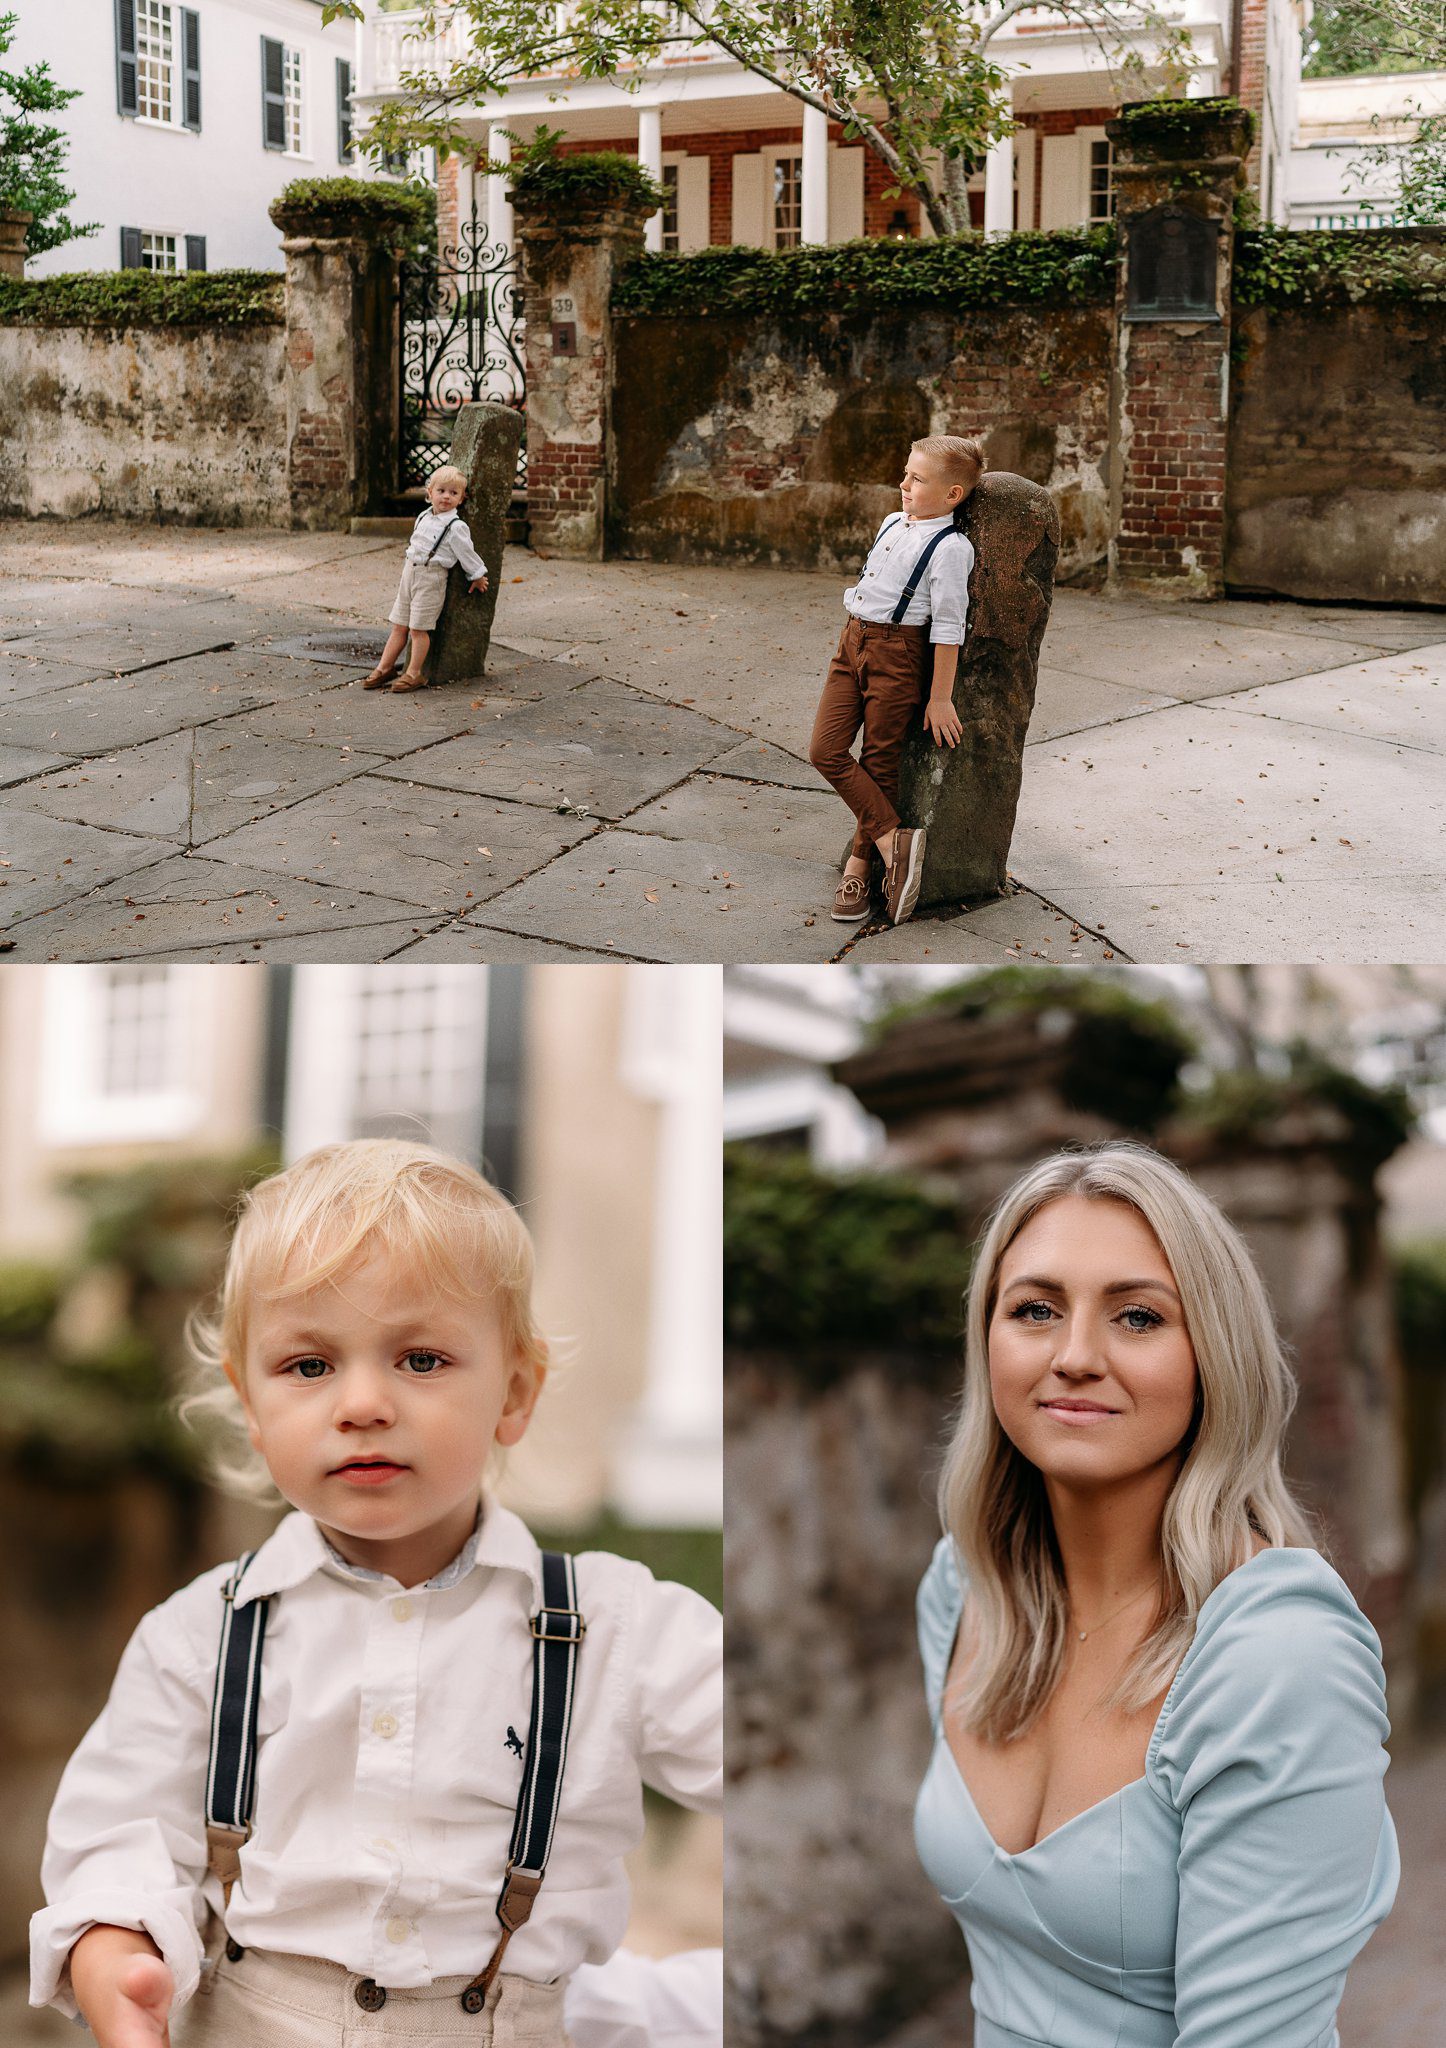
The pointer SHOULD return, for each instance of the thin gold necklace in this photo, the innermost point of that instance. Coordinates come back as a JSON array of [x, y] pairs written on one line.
[[1085, 1632]]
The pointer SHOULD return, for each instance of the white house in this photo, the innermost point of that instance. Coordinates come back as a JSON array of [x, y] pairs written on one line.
[[1336, 178], [744, 162], [190, 121]]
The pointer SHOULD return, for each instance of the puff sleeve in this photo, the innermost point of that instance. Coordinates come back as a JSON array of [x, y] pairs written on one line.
[[940, 1600], [1270, 1750]]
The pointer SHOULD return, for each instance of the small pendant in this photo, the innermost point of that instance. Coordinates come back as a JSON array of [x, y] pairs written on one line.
[[1083, 1633]]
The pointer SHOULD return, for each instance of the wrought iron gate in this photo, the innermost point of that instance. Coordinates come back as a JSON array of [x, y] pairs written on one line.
[[461, 341]]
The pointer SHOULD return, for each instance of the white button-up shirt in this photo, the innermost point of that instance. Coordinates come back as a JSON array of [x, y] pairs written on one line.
[[387, 1767], [942, 595], [456, 543]]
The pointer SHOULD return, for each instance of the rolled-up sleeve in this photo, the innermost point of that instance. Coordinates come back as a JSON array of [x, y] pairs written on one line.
[[676, 1643], [1273, 1757], [126, 1842], [950, 567], [459, 536]]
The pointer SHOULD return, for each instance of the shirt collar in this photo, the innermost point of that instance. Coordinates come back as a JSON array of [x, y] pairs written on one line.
[[939, 519], [296, 1549]]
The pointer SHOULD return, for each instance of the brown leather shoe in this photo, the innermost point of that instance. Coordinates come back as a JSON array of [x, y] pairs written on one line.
[[906, 871], [851, 900]]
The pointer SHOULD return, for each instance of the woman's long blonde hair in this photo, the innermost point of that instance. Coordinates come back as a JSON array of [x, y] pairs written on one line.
[[993, 1503]]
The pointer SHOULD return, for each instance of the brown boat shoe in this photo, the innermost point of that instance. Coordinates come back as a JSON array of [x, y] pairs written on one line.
[[851, 900], [906, 871]]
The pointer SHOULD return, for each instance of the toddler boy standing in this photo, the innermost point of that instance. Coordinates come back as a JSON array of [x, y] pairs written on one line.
[[913, 595], [439, 538]]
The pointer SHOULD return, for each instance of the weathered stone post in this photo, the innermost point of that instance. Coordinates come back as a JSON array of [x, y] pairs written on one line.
[[966, 796], [485, 442], [341, 353], [569, 261], [13, 226], [1178, 167]]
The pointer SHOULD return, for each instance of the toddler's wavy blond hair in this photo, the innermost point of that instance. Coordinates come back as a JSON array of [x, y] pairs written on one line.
[[328, 1212]]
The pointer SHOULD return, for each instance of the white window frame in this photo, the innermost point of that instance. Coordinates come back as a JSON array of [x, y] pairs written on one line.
[[774, 155], [75, 1105], [178, 250], [293, 58], [324, 1062], [671, 239], [176, 68], [1088, 137]]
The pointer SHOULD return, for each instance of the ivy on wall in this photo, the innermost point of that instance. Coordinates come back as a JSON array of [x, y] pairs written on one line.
[[1309, 268], [144, 298], [1074, 266]]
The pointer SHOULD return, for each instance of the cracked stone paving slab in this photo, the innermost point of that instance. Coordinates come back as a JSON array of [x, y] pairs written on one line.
[[801, 824], [441, 851], [46, 861], [120, 711]]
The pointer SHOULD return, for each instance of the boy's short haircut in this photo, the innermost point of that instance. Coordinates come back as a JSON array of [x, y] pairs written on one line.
[[449, 474], [334, 1208], [960, 456]]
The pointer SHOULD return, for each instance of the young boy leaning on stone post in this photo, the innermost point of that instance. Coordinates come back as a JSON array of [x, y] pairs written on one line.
[[439, 538], [913, 595]]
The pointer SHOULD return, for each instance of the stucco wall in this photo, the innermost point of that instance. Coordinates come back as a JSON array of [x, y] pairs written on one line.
[[769, 439], [167, 423], [1336, 467]]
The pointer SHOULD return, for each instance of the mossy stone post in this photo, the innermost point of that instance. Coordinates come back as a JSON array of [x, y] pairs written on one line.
[[966, 796], [14, 226], [485, 442], [341, 356], [1179, 165], [572, 250]]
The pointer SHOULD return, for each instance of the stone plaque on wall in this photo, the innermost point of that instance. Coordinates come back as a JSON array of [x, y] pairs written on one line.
[[1171, 269]]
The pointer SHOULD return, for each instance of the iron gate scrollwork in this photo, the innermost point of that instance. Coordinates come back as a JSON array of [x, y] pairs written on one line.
[[461, 341]]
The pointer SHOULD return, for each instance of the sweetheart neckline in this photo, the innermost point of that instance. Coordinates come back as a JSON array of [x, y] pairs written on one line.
[[1017, 1855]]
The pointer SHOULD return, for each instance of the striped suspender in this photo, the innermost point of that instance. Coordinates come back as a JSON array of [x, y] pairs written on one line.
[[448, 521], [557, 1630], [231, 1769]]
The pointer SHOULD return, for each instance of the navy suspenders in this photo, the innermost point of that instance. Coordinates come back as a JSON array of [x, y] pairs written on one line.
[[916, 573], [557, 1630], [451, 516]]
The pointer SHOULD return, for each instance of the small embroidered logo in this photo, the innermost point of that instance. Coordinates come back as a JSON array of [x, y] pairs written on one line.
[[514, 1741]]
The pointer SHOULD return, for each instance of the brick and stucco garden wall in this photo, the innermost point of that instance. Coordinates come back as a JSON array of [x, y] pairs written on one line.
[[168, 423], [1337, 453], [771, 438]]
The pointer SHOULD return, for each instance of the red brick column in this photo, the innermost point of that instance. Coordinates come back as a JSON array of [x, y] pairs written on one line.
[[341, 366], [568, 268], [1169, 399]]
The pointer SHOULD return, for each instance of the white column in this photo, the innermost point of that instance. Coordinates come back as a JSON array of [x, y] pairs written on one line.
[[499, 208], [813, 224], [363, 64], [650, 157], [999, 188]]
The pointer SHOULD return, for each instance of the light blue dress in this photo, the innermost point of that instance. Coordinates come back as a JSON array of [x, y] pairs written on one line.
[[1217, 1901]]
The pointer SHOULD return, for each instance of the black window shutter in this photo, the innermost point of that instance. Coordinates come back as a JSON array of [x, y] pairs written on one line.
[[195, 252], [130, 248], [127, 100], [343, 111], [273, 93], [191, 60]]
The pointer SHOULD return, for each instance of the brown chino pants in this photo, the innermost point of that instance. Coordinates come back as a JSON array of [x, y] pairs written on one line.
[[876, 680]]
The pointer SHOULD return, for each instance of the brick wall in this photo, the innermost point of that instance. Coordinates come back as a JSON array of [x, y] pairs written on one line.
[[1172, 456], [782, 440], [1250, 78]]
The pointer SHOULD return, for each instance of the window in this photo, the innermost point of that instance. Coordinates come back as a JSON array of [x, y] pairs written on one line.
[[155, 59], [787, 202], [670, 206], [281, 90], [344, 146], [158, 252], [1102, 181], [158, 63], [292, 74], [121, 1053]]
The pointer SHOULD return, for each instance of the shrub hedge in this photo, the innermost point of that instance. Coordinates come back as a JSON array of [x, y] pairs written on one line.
[[144, 298]]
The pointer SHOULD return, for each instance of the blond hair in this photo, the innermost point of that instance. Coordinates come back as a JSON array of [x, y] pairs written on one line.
[[1230, 1486], [960, 457], [317, 1219], [449, 474]]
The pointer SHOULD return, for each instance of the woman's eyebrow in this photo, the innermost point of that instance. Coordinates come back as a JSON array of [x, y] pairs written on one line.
[[1051, 1286], [1136, 1286]]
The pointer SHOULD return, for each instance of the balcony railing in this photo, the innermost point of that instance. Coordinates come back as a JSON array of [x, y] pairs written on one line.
[[399, 43]]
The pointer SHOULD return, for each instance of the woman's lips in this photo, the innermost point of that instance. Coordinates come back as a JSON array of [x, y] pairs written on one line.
[[370, 1474], [1074, 1415]]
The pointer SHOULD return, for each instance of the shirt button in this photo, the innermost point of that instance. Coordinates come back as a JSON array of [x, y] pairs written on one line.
[[398, 1930], [385, 1725], [401, 1610]]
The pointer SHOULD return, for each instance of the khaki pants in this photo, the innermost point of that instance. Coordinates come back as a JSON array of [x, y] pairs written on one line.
[[267, 2000], [876, 680]]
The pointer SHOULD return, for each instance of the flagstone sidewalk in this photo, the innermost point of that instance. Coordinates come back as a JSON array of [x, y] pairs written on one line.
[[187, 770]]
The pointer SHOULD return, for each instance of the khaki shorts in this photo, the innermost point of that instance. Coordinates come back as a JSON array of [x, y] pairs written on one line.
[[268, 2000], [418, 602]]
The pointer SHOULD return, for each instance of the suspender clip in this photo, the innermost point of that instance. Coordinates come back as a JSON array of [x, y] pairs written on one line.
[[519, 1889], [224, 1846], [558, 1625]]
